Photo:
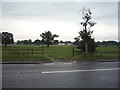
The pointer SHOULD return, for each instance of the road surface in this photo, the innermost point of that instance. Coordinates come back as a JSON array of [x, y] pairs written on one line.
[[61, 75]]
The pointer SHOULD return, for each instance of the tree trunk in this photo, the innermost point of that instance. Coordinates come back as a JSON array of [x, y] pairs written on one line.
[[86, 45], [5, 44], [86, 48], [47, 45]]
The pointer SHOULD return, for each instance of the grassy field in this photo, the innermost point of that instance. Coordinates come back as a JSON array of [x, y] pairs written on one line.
[[56, 52]]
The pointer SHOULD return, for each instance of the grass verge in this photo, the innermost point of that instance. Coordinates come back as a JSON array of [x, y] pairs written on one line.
[[25, 58]]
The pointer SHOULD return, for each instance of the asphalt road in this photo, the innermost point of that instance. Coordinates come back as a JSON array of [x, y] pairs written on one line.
[[61, 75]]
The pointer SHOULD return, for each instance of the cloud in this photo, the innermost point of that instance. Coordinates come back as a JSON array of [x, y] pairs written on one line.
[[60, 17]]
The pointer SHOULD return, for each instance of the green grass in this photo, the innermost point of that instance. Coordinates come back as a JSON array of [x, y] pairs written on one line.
[[25, 58], [57, 52], [107, 49], [51, 53], [95, 56], [109, 52]]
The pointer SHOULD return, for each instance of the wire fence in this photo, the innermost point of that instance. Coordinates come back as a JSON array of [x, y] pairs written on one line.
[[23, 51], [51, 52]]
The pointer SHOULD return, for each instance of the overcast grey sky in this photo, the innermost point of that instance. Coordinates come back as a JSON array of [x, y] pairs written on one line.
[[27, 20]]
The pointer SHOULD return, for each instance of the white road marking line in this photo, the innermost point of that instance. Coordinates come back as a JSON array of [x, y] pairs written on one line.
[[80, 70], [49, 64], [67, 63], [56, 63]]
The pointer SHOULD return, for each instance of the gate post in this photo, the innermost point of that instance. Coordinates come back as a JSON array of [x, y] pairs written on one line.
[[73, 51], [42, 51], [32, 51]]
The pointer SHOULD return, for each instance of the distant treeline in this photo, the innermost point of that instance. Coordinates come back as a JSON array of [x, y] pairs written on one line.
[[57, 42], [7, 38], [106, 43], [40, 42], [28, 42]]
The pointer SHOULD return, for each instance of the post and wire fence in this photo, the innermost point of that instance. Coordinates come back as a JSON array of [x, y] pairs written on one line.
[[76, 52], [23, 51], [50, 52]]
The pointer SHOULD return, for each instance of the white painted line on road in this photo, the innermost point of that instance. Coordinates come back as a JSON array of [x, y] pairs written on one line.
[[80, 70], [56, 63], [67, 63], [49, 64]]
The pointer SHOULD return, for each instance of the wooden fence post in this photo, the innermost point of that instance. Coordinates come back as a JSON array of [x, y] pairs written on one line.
[[42, 50], [73, 51], [32, 51], [9, 51]]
